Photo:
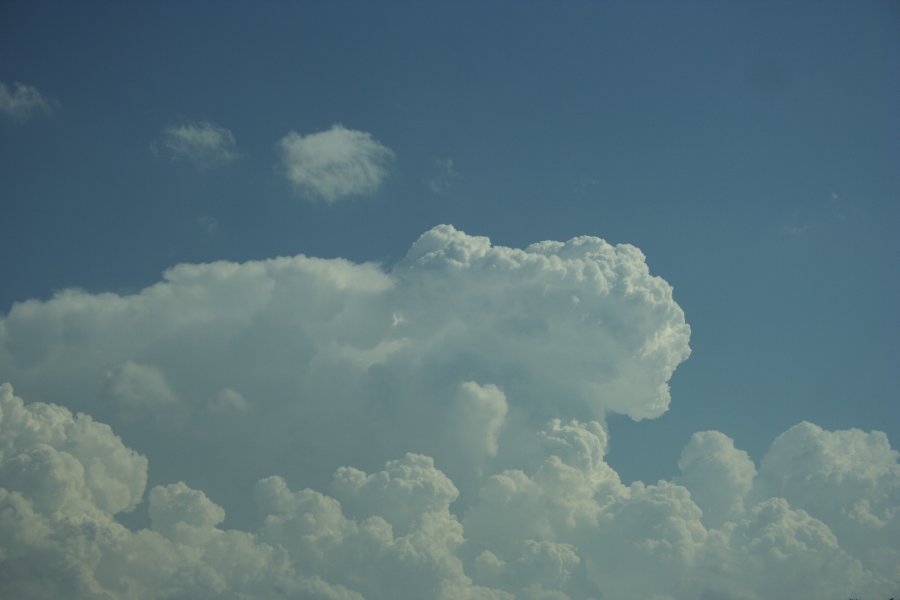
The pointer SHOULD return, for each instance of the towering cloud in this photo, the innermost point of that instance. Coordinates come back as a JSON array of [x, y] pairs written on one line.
[[324, 429], [459, 347]]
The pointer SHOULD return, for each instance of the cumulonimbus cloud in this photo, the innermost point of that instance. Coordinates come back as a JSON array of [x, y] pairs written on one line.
[[336, 163], [22, 101], [432, 430], [202, 143]]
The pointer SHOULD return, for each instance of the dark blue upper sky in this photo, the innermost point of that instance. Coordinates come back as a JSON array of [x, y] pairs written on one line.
[[750, 150]]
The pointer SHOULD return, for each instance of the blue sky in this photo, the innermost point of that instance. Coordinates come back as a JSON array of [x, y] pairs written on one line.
[[749, 150]]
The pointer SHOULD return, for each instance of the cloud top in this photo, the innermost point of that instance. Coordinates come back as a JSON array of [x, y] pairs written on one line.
[[202, 143], [335, 164], [22, 101]]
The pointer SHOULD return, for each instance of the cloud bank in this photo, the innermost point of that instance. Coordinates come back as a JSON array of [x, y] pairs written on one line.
[[22, 101], [325, 429], [202, 143], [335, 164]]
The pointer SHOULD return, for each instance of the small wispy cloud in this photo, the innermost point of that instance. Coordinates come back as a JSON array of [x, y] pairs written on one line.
[[838, 207], [585, 185], [336, 163], [203, 143], [819, 215], [442, 177], [209, 224], [22, 101], [796, 229]]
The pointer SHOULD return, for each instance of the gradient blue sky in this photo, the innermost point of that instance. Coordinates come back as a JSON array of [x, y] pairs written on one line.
[[750, 150]]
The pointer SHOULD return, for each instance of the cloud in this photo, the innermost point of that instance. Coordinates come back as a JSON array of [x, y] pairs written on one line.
[[719, 476], [21, 101], [491, 339], [67, 464], [209, 224], [326, 429], [336, 163], [137, 392], [567, 529], [442, 177], [848, 479], [203, 143]]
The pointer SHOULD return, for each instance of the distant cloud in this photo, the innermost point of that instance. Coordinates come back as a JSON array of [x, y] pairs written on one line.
[[336, 163], [22, 101], [818, 215], [442, 177], [203, 143], [587, 185], [796, 229], [209, 224]]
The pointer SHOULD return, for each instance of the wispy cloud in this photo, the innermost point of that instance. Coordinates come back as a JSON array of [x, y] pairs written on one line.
[[203, 143], [819, 215], [336, 163], [443, 176], [796, 229], [586, 185], [21, 101], [208, 223]]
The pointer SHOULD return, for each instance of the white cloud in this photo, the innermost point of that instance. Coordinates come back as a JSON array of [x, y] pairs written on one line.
[[336, 163], [435, 430], [316, 351], [21, 101], [66, 463], [63, 478], [203, 143], [719, 476], [567, 529], [848, 479]]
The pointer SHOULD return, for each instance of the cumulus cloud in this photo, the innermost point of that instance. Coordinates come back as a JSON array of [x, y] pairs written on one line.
[[65, 462], [22, 101], [492, 340], [203, 143], [567, 529], [719, 476], [336, 163], [325, 429], [848, 479]]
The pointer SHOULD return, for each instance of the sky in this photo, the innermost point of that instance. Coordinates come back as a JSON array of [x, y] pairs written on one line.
[[452, 300]]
